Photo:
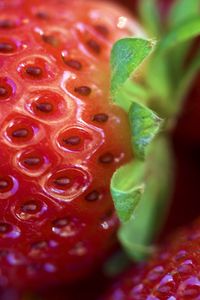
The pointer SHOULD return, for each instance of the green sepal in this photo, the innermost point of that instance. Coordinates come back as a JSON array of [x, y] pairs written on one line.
[[131, 92], [160, 77], [145, 125], [127, 54], [150, 17], [127, 184], [139, 232], [127, 187], [182, 10], [186, 82]]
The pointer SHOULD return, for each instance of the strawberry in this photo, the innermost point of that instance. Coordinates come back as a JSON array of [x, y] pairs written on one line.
[[173, 272], [61, 138]]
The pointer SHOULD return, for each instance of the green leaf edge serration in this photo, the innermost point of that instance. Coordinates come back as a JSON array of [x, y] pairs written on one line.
[[130, 182]]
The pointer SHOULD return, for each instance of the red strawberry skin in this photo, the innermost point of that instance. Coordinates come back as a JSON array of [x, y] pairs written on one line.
[[61, 138], [173, 272]]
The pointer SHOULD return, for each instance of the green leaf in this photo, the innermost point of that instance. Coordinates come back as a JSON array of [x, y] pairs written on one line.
[[150, 16], [126, 188], [131, 92], [183, 32], [186, 81], [127, 54], [182, 10], [145, 125], [160, 77], [139, 232]]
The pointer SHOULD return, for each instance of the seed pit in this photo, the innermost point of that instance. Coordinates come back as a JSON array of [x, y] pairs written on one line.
[[6, 47], [39, 245], [20, 130], [36, 68], [6, 184], [103, 30], [32, 161], [7, 24], [20, 133], [7, 88], [3, 184], [106, 158], [72, 141], [67, 183], [42, 15], [60, 223], [75, 139], [72, 63], [3, 91], [92, 196], [62, 181], [34, 71], [51, 40], [83, 90], [94, 46], [30, 207], [100, 118], [65, 227], [5, 228], [44, 107]]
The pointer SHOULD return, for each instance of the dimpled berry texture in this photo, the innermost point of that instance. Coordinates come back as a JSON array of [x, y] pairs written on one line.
[[172, 274], [61, 138]]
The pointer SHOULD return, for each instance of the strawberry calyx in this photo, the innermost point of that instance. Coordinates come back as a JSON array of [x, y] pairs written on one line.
[[149, 81]]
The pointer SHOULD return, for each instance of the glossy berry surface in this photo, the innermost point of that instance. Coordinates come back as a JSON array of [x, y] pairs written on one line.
[[172, 274], [61, 138]]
